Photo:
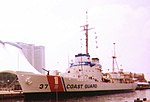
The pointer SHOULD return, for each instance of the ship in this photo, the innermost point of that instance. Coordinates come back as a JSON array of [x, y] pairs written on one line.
[[84, 76]]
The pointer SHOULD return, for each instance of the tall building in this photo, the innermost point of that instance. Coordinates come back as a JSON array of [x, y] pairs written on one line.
[[34, 54]]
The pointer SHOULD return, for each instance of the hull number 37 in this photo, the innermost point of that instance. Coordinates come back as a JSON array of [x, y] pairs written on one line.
[[43, 86]]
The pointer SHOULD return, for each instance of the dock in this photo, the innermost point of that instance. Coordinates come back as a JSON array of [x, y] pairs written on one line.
[[10, 94]]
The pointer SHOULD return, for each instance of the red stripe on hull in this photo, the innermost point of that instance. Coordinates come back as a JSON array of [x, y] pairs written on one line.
[[55, 83]]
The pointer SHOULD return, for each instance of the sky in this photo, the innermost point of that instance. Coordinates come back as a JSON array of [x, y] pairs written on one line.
[[55, 24]]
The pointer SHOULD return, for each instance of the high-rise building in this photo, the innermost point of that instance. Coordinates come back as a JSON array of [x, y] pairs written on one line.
[[34, 54]]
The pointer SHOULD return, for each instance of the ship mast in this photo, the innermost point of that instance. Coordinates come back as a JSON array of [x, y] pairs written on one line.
[[86, 29], [114, 60]]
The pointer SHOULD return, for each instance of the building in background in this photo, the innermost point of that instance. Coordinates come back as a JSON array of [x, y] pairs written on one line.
[[34, 54]]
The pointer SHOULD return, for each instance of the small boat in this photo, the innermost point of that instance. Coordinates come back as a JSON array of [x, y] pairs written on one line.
[[143, 85]]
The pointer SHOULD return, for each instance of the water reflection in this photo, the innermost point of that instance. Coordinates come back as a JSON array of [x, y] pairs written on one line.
[[122, 97]]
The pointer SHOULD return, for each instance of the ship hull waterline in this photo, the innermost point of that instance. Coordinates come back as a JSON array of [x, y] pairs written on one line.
[[50, 86], [60, 95]]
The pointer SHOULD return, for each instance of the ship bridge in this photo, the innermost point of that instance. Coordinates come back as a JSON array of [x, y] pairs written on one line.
[[84, 60]]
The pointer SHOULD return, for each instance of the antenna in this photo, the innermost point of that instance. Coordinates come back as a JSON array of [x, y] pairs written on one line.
[[86, 17], [86, 29]]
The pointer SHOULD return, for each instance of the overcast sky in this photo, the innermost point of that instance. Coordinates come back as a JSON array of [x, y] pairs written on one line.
[[55, 24]]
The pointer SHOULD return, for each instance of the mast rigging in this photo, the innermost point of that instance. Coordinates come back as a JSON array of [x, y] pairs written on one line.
[[86, 29]]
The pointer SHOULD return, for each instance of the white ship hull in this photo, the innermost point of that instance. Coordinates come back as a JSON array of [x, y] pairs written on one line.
[[34, 83]]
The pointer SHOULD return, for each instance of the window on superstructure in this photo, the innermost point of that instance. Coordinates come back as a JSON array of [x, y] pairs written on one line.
[[81, 63]]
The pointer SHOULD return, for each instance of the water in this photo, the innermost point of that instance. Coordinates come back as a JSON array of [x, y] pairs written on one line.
[[122, 97]]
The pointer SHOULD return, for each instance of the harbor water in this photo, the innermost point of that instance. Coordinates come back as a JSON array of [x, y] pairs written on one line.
[[121, 97]]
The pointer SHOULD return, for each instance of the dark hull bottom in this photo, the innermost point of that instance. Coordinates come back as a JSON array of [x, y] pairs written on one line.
[[60, 95], [140, 88]]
